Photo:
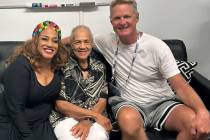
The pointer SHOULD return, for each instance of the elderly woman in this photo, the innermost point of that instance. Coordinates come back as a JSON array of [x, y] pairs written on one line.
[[32, 82], [83, 97]]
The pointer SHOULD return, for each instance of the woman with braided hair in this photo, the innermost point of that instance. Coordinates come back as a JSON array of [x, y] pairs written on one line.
[[32, 82]]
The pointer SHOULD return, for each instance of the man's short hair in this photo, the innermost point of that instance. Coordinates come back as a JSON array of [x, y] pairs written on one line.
[[130, 2]]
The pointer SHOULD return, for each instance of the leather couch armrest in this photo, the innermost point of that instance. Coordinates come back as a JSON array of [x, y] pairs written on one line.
[[202, 86], [1, 89]]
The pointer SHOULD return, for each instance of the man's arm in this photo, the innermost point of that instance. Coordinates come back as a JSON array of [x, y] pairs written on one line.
[[65, 40], [191, 99], [186, 93]]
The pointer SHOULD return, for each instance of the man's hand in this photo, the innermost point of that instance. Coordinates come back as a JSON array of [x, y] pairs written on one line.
[[81, 129], [201, 125]]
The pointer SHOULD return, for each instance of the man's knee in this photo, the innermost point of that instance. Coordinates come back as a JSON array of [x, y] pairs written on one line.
[[188, 116], [130, 120], [180, 119]]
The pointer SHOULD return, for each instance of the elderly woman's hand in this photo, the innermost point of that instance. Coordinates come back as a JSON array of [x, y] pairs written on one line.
[[104, 121]]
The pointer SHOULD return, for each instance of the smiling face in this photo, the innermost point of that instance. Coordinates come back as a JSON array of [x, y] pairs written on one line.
[[81, 44], [48, 43], [124, 19]]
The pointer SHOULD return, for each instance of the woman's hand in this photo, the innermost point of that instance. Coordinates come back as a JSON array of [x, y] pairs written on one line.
[[104, 121], [81, 129]]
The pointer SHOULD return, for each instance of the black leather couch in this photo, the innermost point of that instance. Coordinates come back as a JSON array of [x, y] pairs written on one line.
[[198, 82]]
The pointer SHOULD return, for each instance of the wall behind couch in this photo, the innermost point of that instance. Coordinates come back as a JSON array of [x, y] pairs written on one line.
[[188, 20]]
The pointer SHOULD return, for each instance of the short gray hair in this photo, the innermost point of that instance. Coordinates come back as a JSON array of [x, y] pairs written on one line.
[[79, 27], [130, 2]]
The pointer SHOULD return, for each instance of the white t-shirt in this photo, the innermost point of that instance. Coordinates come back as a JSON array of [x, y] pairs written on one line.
[[153, 65]]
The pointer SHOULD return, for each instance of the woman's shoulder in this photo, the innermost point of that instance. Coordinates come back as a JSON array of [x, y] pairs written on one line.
[[96, 64], [21, 61], [70, 64], [19, 67]]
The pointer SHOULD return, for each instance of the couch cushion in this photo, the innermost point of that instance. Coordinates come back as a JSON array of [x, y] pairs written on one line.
[[2, 69], [178, 49], [186, 68], [6, 48]]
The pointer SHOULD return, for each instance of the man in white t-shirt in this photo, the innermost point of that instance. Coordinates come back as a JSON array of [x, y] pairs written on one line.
[[141, 65]]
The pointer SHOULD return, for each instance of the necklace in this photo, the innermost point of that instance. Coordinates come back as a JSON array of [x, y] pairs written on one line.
[[84, 69], [132, 61]]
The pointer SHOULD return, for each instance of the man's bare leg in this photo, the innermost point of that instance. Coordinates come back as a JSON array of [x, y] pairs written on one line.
[[131, 124], [180, 120]]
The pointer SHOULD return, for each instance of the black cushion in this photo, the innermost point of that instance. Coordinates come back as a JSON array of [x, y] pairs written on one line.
[[186, 69], [6, 48], [2, 69], [178, 49]]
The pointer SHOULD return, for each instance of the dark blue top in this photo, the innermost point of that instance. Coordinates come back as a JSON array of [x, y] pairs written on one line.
[[26, 104]]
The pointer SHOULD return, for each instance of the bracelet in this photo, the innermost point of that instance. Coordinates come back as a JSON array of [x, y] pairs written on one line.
[[92, 120]]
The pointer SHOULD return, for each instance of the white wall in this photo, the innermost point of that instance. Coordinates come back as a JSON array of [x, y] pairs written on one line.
[[188, 20]]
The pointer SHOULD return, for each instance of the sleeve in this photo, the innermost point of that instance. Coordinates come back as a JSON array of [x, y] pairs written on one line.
[[100, 42], [65, 74], [168, 66], [62, 93], [96, 42], [104, 90], [16, 82]]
